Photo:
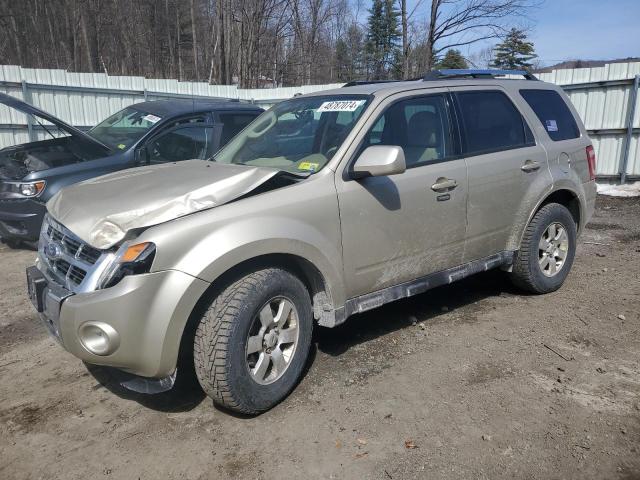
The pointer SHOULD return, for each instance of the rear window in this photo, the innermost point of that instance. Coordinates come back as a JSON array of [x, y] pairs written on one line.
[[553, 112], [491, 122]]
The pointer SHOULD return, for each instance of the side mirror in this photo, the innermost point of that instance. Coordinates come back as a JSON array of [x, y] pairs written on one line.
[[379, 161], [142, 156]]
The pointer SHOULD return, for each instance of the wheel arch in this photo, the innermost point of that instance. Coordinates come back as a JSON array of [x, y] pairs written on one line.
[[564, 196], [314, 280], [567, 198]]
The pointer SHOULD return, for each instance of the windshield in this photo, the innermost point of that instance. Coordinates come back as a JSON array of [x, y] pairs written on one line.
[[123, 129], [298, 135]]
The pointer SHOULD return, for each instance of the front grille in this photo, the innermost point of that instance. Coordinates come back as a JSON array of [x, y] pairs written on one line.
[[66, 270], [73, 246], [72, 259]]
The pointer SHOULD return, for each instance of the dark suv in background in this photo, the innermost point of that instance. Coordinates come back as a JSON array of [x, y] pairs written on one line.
[[146, 133]]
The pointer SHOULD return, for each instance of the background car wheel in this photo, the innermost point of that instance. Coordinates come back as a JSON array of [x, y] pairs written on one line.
[[546, 251], [12, 243], [253, 341]]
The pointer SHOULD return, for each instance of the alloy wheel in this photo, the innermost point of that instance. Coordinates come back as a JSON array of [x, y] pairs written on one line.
[[553, 249], [272, 340]]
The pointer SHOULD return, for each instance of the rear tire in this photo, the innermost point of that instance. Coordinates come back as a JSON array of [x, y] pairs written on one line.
[[252, 343], [547, 250]]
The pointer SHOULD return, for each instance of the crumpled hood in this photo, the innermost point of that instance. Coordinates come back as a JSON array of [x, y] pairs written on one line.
[[102, 210]]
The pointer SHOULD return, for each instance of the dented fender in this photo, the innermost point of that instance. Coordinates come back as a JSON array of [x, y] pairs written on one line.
[[300, 220]]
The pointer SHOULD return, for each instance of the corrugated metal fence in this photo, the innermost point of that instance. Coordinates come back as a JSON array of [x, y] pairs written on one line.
[[605, 97], [607, 100], [84, 99]]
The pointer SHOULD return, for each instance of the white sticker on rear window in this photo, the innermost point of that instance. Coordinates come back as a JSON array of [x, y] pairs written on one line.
[[552, 126], [152, 118], [340, 106]]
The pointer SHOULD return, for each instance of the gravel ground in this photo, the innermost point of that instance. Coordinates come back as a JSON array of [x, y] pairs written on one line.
[[473, 380]]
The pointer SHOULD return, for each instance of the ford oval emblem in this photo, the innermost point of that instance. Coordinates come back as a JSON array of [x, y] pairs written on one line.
[[53, 250]]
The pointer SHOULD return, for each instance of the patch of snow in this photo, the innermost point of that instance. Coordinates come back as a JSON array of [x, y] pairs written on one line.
[[627, 190]]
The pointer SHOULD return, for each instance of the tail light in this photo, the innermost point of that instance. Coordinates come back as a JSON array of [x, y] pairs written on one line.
[[591, 159]]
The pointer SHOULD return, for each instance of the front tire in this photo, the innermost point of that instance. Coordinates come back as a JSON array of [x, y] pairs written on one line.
[[253, 341], [12, 243], [547, 250]]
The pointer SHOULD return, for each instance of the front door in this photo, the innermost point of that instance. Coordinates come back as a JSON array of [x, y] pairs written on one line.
[[401, 227]]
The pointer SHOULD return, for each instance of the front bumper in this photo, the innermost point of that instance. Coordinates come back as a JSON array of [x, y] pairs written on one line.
[[21, 219], [143, 318]]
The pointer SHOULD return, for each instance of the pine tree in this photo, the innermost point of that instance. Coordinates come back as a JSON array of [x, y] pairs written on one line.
[[348, 57], [382, 38], [342, 61], [515, 52], [452, 59]]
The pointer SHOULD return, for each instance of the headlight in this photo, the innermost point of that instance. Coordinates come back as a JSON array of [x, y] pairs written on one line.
[[26, 189], [32, 189], [130, 260]]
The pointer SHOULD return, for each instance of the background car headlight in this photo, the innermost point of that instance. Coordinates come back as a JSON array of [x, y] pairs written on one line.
[[31, 189], [130, 260], [27, 189]]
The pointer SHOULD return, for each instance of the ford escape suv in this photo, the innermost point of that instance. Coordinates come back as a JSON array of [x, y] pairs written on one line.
[[146, 133], [327, 205]]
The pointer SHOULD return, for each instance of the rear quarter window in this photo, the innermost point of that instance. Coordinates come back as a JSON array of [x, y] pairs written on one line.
[[553, 113]]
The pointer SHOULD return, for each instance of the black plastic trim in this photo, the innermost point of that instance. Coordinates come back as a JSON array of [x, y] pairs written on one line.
[[373, 300]]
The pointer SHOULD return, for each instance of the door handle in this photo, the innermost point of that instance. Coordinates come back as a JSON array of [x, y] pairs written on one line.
[[444, 185], [530, 166]]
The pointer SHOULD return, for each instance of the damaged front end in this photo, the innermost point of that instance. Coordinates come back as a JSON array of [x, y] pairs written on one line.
[[102, 210], [21, 160]]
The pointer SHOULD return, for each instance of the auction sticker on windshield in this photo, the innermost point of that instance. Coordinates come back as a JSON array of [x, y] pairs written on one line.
[[340, 106], [152, 118]]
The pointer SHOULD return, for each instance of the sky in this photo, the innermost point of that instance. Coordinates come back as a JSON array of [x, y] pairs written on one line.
[[577, 29], [586, 29]]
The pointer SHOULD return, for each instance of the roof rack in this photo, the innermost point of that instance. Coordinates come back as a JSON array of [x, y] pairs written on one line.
[[465, 73], [355, 83]]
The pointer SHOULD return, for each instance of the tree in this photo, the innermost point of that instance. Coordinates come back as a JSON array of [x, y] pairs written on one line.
[[481, 58], [452, 59], [342, 63], [408, 27], [455, 23], [382, 39], [251, 43], [515, 52]]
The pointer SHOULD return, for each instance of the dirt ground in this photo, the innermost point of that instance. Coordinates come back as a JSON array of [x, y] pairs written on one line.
[[489, 383]]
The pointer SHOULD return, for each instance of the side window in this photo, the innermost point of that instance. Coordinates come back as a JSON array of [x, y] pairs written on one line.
[[374, 137], [232, 124], [553, 112], [419, 125], [183, 143], [491, 122]]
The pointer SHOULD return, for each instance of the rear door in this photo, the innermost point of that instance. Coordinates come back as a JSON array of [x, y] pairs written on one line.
[[503, 160], [401, 227]]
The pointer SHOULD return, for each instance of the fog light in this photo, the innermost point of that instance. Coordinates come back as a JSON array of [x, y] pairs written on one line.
[[99, 338]]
